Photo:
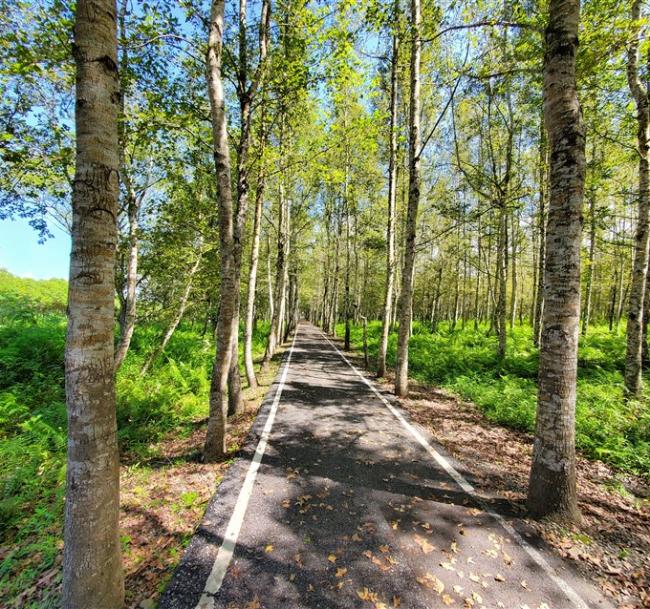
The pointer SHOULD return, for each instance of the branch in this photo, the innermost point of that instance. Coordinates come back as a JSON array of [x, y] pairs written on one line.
[[487, 23], [444, 110]]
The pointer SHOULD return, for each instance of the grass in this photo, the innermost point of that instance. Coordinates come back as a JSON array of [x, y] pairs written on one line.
[[172, 396], [464, 362]]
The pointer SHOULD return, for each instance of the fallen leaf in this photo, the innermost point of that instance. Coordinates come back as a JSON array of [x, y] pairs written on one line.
[[424, 544], [431, 582], [269, 548], [341, 571]]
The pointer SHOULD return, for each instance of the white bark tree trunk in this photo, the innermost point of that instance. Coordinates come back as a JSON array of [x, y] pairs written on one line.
[[392, 198], [92, 567], [252, 282], [406, 296]]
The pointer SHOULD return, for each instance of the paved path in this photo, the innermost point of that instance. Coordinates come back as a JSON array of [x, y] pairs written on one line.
[[349, 505]]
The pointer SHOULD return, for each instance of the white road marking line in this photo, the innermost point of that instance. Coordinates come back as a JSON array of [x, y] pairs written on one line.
[[572, 595], [227, 548]]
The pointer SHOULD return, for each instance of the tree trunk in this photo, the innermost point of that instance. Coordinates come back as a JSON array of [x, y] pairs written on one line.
[[128, 302], [128, 313], [235, 398], [513, 290], [92, 566], [541, 255], [477, 294], [348, 262], [502, 280], [590, 264], [406, 299], [215, 443], [334, 311], [182, 305], [436, 301], [246, 93], [392, 200], [269, 278], [277, 322], [552, 489], [252, 279], [294, 305], [646, 317], [622, 295], [634, 352]]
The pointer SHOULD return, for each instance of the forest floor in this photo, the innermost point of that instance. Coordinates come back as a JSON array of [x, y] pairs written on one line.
[[162, 502], [611, 545]]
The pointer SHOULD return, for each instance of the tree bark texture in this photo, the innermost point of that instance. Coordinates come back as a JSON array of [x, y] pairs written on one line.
[[552, 489], [92, 567], [215, 443]]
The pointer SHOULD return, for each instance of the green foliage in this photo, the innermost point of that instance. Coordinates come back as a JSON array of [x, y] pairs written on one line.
[[464, 361], [172, 397], [27, 300]]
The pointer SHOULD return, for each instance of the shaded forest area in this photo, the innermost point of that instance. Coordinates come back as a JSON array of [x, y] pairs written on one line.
[[465, 185]]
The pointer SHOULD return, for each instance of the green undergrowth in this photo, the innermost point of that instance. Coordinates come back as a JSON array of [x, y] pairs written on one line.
[[464, 361], [172, 397]]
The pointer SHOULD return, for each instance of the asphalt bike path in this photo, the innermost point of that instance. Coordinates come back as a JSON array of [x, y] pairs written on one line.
[[339, 501]]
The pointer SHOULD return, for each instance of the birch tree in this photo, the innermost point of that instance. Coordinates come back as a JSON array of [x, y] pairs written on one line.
[[406, 293], [392, 200]]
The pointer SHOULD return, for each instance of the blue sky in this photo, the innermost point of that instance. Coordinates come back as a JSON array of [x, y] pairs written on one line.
[[22, 254]]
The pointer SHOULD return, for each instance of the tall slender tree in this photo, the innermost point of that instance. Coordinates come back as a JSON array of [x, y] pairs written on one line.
[[392, 199], [215, 442], [552, 489], [247, 88], [408, 272], [92, 568], [254, 260], [640, 93]]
